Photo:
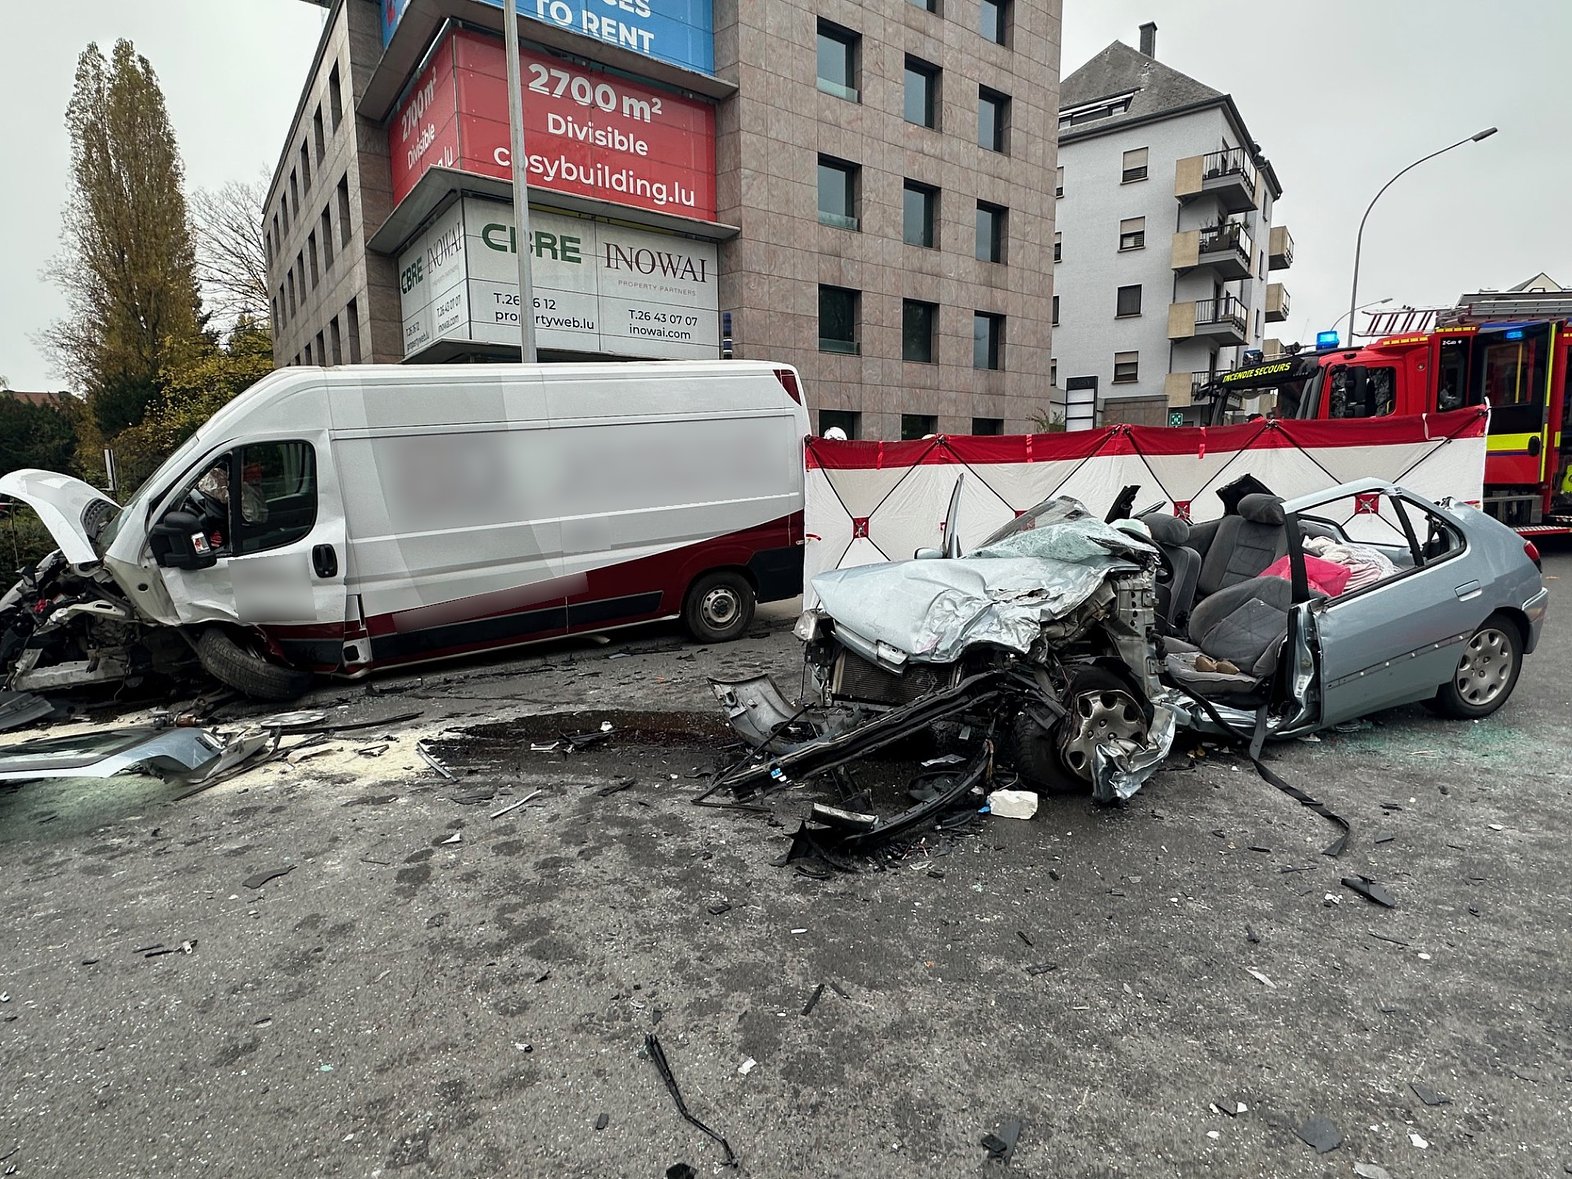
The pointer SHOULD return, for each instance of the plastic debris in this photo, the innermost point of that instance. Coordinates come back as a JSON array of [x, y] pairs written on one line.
[[261, 878], [1370, 1171], [1428, 1095], [1418, 1140], [1320, 1134], [603, 1121], [1260, 978], [1012, 804], [746, 1067], [813, 1000], [1000, 1145], [513, 806], [456, 837], [1371, 890]]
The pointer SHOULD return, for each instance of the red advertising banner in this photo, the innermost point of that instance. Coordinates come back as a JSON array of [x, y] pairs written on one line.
[[587, 133]]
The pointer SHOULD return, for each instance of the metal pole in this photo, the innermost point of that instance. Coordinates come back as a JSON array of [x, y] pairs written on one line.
[[1359, 241], [522, 241]]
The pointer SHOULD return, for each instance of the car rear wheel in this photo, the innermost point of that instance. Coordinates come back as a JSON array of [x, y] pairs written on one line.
[[1486, 673], [719, 607]]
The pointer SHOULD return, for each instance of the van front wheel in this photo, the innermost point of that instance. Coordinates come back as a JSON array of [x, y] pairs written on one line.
[[719, 607], [239, 667]]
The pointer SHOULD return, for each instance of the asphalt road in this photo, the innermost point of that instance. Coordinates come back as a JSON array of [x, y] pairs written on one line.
[[404, 1003]]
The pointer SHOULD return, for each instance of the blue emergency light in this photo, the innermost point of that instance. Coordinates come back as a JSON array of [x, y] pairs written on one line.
[[1514, 334], [1326, 339]]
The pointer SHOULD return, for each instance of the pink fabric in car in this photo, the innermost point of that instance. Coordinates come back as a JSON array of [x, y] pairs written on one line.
[[1325, 577]]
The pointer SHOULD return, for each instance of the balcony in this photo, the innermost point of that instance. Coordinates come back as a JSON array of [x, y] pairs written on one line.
[[1183, 388], [1225, 249], [1280, 248], [1229, 176], [1276, 302], [1222, 321]]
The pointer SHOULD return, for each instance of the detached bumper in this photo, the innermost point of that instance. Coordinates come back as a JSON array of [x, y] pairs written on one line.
[[1535, 608]]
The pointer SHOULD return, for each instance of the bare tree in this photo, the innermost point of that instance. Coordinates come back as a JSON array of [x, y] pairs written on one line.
[[231, 262]]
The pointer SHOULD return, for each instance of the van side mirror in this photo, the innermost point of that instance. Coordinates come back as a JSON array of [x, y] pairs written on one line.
[[178, 542], [927, 554]]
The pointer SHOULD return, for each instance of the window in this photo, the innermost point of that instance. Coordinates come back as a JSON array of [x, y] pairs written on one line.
[[987, 340], [267, 246], [993, 120], [316, 134], [837, 193], [1053, 370], [300, 269], [918, 324], [1132, 233], [838, 61], [352, 326], [291, 278], [846, 421], [343, 211], [922, 93], [995, 22], [1058, 247], [294, 194], [990, 232], [926, 5], [322, 357], [277, 241], [337, 338], [918, 425], [1058, 183], [305, 168], [308, 353], [277, 482], [276, 304], [1360, 391], [1127, 368], [987, 425], [311, 249], [335, 97], [838, 320], [1134, 166], [1129, 301], [919, 214], [279, 314], [1056, 311], [326, 229]]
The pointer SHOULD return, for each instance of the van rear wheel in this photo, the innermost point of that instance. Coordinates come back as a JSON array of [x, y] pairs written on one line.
[[237, 666], [719, 607]]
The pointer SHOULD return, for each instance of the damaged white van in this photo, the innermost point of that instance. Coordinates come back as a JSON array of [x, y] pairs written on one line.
[[338, 520]]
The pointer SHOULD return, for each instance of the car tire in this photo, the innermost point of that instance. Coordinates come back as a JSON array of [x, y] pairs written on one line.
[[1035, 752], [239, 667], [1486, 673], [719, 607]]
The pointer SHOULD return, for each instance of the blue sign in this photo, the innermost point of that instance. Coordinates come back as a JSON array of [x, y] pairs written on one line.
[[681, 32]]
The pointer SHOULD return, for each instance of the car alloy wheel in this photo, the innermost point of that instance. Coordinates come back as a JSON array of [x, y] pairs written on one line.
[[1486, 667]]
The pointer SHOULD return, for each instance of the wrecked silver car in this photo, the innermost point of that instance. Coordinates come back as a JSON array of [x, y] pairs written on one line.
[[1080, 645]]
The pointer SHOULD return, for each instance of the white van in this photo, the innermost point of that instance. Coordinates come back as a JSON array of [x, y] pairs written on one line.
[[336, 520]]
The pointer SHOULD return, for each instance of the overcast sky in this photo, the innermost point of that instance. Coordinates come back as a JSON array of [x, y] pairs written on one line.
[[1339, 93]]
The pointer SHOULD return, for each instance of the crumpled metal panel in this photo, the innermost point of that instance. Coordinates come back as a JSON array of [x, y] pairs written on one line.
[[1002, 594], [1118, 772]]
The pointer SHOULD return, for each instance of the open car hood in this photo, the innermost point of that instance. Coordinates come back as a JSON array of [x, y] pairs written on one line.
[[65, 505]]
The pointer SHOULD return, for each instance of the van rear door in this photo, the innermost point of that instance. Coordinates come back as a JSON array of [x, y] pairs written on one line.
[[274, 516]]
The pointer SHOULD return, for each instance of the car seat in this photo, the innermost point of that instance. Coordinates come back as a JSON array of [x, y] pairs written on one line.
[[1242, 545], [1176, 583]]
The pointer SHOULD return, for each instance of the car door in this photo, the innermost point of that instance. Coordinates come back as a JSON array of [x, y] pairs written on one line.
[[1398, 639], [281, 562]]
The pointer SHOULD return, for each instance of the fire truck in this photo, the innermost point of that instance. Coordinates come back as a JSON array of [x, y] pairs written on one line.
[[1523, 371]]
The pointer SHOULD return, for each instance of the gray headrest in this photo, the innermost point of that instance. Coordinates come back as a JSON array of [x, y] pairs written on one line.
[[1166, 529], [1262, 509]]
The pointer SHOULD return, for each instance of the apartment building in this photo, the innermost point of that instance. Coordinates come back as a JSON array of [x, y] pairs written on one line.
[[858, 189], [1164, 245]]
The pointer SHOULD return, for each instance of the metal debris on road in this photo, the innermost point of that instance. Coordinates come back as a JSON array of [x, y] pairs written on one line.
[[1418, 1140], [1320, 1134], [1250, 933], [513, 806], [456, 837], [746, 1067], [22, 708], [424, 753], [1428, 1095], [261, 878], [619, 785], [813, 1000], [658, 1055], [603, 1121], [1260, 978], [1370, 1171]]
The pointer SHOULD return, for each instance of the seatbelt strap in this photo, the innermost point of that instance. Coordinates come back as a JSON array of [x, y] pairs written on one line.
[[1253, 746], [1296, 559]]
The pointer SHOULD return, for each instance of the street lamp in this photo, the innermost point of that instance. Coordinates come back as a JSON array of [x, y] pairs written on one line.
[[1353, 294], [523, 242], [1361, 307]]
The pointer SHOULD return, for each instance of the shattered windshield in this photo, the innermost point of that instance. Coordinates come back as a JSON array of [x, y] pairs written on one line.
[[1050, 511], [1061, 530]]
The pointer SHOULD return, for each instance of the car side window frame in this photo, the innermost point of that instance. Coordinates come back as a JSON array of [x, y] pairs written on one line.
[[248, 533]]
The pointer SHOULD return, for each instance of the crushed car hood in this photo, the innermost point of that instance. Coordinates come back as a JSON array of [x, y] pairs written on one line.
[[931, 610], [62, 503]]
